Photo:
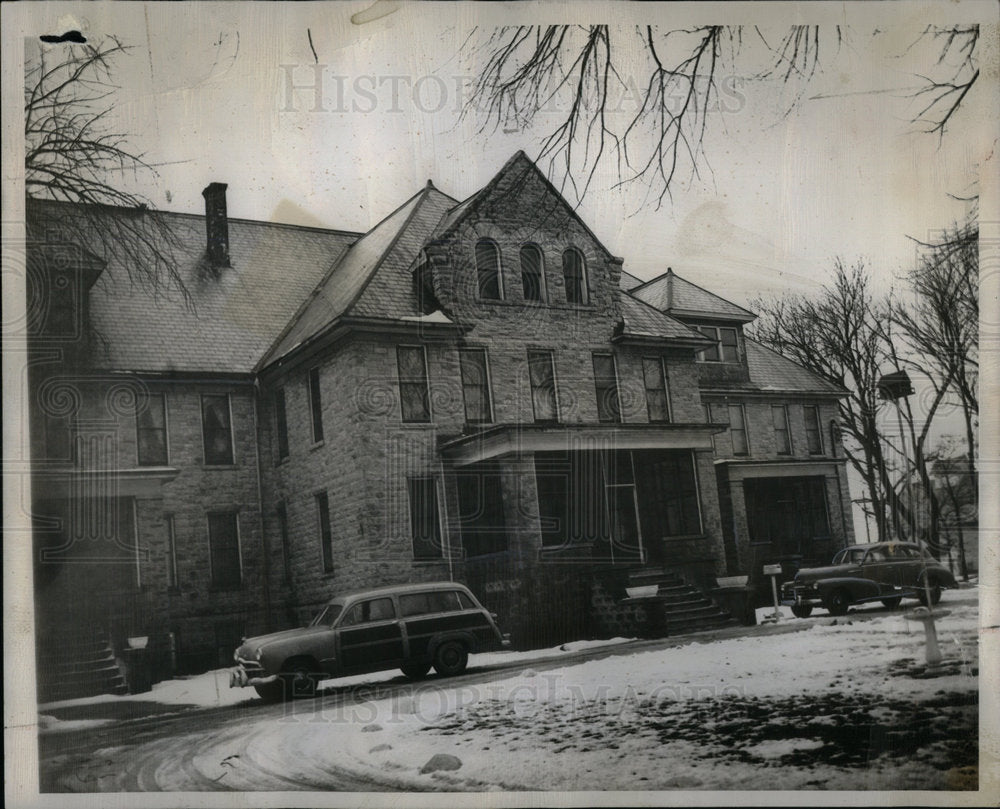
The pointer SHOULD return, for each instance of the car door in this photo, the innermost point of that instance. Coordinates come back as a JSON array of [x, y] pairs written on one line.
[[370, 636], [878, 567]]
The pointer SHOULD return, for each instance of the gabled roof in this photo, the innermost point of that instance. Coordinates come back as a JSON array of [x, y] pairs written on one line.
[[642, 321], [679, 297], [514, 173], [372, 280], [234, 315]]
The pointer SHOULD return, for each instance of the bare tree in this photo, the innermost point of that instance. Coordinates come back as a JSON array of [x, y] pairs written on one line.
[[572, 80], [841, 335], [939, 327], [72, 157]]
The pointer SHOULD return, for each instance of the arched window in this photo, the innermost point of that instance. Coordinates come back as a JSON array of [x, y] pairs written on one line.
[[575, 275], [531, 273], [488, 270]]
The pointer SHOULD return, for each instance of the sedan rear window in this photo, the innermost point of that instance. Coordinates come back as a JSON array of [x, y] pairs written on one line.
[[441, 601]]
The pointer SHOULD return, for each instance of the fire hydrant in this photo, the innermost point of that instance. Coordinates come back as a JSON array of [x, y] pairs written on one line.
[[926, 617]]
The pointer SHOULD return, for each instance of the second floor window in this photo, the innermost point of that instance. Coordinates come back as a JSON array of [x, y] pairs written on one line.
[[575, 276], [151, 431], [814, 436], [726, 348], [475, 385], [315, 405], [488, 270], [414, 398], [531, 273], [606, 387], [217, 431], [224, 546], [541, 373], [281, 423], [655, 379], [779, 418], [738, 430]]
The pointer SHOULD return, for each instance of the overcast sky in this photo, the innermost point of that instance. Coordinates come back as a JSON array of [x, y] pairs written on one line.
[[205, 94]]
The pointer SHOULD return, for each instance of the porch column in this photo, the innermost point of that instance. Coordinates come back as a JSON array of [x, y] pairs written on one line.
[[520, 497]]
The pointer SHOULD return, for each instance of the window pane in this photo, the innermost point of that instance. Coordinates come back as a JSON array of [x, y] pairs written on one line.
[[730, 351], [151, 431], [574, 277], [325, 535], [223, 540], [216, 430], [779, 417], [656, 389], [488, 269], [413, 394], [814, 438], [315, 405], [543, 388], [281, 423], [424, 521], [474, 384], [738, 430], [606, 386], [531, 272], [710, 354]]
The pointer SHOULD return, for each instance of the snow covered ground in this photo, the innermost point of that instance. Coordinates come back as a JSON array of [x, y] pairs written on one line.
[[835, 706]]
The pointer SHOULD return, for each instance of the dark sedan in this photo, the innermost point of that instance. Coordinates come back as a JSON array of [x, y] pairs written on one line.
[[883, 571]]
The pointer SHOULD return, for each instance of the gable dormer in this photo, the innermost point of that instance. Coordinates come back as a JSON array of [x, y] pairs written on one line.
[[517, 250], [719, 320]]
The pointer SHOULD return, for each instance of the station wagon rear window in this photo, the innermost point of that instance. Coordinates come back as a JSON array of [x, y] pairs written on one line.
[[441, 601]]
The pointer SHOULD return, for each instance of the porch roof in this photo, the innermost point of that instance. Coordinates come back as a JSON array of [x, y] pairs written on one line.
[[516, 439]]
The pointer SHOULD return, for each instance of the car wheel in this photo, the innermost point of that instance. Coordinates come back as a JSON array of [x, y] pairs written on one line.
[[300, 680], [271, 692], [892, 603], [451, 658], [802, 610], [837, 601], [415, 671], [935, 595]]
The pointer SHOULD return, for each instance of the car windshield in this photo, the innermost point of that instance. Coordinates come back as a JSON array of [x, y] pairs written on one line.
[[327, 615]]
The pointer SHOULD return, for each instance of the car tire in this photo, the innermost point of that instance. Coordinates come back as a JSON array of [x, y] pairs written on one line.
[[451, 658], [802, 610], [300, 679], [415, 671], [271, 692], [837, 601], [935, 595], [892, 603]]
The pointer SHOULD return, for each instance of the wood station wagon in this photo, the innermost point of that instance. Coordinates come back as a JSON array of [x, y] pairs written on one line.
[[411, 627]]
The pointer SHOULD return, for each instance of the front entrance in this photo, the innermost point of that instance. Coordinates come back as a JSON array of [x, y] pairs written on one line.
[[790, 514]]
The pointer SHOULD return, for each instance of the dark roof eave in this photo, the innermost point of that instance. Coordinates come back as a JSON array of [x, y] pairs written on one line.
[[342, 326], [829, 394], [653, 340], [704, 314]]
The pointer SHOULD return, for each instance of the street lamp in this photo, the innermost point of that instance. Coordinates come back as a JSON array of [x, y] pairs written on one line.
[[896, 386]]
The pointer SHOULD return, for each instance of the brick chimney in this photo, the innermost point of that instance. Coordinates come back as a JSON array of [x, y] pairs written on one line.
[[217, 224]]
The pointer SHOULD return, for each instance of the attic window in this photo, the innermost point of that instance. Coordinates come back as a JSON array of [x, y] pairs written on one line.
[[575, 276], [531, 272], [488, 270], [726, 348]]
